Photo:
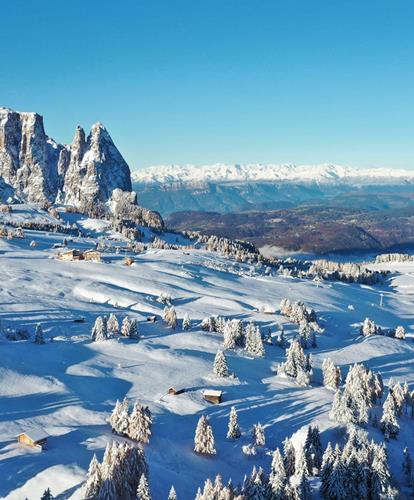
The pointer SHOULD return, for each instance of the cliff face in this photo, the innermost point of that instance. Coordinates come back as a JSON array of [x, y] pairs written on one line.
[[39, 169]]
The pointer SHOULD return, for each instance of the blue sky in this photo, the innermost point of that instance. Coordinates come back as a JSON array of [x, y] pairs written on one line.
[[203, 81]]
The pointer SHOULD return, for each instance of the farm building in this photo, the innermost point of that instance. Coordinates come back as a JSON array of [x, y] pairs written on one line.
[[94, 255], [213, 396], [34, 437], [175, 391], [71, 255]]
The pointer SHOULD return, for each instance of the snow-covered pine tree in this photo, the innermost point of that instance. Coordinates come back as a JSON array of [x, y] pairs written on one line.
[[289, 457], [250, 339], [107, 490], [277, 477], [399, 397], [259, 347], [229, 336], [407, 466], [143, 492], [39, 338], [302, 488], [220, 367], [123, 418], [115, 415], [233, 428], [170, 317], [331, 374], [204, 439], [326, 469], [47, 495], [140, 422], [258, 435], [172, 495], [301, 466], [93, 480], [186, 322], [125, 327], [336, 483], [100, 330], [133, 329], [400, 333], [380, 474], [113, 325], [389, 423]]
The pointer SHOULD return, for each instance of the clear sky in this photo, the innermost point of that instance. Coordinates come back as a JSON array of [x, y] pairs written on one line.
[[204, 81]]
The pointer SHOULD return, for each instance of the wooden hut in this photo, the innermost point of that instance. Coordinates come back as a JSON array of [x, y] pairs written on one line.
[[36, 438], [128, 261], [213, 396], [94, 255], [71, 255], [175, 391]]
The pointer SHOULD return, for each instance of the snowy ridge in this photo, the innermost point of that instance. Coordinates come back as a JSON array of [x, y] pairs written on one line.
[[219, 172]]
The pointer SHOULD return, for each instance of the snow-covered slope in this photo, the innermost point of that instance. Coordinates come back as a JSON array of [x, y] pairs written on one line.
[[69, 386], [325, 173]]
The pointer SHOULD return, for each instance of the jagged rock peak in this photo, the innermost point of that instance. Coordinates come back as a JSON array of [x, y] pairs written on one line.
[[40, 169]]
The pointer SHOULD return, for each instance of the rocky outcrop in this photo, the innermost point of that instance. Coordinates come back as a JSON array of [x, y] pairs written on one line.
[[40, 169]]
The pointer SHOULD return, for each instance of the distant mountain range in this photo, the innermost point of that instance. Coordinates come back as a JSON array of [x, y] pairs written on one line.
[[234, 188]]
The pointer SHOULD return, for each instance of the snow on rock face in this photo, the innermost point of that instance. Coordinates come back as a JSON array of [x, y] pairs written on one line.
[[40, 169]]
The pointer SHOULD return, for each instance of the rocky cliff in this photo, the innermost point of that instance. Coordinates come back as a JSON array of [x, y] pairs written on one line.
[[40, 169]]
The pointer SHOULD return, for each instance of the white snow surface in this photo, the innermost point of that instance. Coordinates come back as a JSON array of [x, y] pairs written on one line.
[[220, 172], [68, 387]]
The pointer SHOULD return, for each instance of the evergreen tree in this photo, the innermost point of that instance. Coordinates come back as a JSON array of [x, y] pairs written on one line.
[[125, 327], [47, 495], [302, 489], [93, 480], [113, 325], [172, 494], [250, 343], [100, 330], [277, 477], [107, 491], [389, 424], [289, 457], [170, 317], [380, 475], [204, 439], [133, 329], [301, 467], [140, 422], [230, 335], [233, 428], [143, 492], [39, 338], [400, 333], [258, 435], [186, 322], [220, 367], [331, 374], [407, 466], [336, 483], [326, 470]]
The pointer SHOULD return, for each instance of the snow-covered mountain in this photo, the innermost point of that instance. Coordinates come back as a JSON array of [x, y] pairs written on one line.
[[233, 188], [40, 169], [325, 173]]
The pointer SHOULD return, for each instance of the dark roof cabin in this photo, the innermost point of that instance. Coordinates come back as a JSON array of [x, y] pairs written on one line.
[[175, 391]]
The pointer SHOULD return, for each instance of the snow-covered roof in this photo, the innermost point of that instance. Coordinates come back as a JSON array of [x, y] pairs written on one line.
[[212, 392], [35, 434]]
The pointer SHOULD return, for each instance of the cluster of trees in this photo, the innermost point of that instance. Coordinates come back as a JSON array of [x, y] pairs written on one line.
[[298, 313], [332, 376], [348, 272], [297, 364], [122, 474], [369, 327], [105, 328], [393, 257], [170, 317], [237, 334], [352, 403], [135, 424], [359, 470]]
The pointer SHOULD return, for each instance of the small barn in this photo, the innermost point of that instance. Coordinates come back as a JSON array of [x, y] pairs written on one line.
[[71, 255], [36, 438], [213, 396], [94, 255], [175, 391]]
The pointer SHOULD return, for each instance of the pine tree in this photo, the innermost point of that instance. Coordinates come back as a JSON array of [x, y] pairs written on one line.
[[143, 492], [126, 327], [258, 435], [93, 480], [170, 317], [220, 367], [250, 344], [389, 424], [277, 477], [400, 333], [47, 495], [301, 466], [407, 466], [229, 336], [100, 330], [204, 439], [302, 488], [140, 422], [39, 338], [133, 329], [115, 415], [326, 470], [380, 474], [336, 483], [172, 494], [289, 457], [331, 374], [107, 491], [113, 325], [259, 349], [233, 428], [186, 322]]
